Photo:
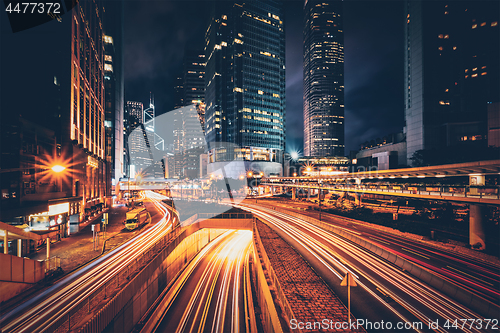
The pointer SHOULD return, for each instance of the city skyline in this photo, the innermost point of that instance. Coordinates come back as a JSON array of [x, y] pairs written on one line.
[[152, 176], [377, 77]]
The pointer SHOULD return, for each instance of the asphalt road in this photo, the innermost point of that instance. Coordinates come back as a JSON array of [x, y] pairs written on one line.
[[210, 294], [478, 276], [406, 297]]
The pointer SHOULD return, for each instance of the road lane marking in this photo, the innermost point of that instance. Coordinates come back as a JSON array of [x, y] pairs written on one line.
[[378, 240], [418, 254], [475, 278]]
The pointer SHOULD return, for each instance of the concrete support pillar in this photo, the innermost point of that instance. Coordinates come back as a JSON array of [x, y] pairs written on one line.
[[6, 242], [476, 230], [48, 247], [294, 193], [19, 247], [357, 199]]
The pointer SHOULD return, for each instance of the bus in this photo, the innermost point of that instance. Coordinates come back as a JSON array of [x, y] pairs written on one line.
[[136, 218]]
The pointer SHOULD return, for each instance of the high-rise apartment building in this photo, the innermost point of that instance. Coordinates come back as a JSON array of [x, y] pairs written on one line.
[[323, 78], [245, 85], [451, 73]]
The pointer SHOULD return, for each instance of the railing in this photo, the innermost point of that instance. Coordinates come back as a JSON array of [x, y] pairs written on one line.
[[467, 191], [52, 264]]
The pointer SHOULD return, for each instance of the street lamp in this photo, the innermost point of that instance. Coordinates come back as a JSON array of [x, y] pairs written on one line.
[[58, 168]]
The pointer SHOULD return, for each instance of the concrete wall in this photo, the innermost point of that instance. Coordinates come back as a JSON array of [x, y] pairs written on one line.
[[18, 274]]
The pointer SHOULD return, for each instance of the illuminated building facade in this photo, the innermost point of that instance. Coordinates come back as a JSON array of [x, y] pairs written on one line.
[[451, 73], [323, 78], [245, 85], [66, 97]]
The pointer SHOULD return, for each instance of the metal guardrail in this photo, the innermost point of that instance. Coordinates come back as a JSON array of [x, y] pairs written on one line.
[[468, 191]]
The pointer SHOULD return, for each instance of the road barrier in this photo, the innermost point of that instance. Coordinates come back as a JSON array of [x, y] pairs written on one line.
[[465, 297]]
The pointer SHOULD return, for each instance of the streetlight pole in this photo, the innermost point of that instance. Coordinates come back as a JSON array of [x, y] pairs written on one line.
[[319, 199]]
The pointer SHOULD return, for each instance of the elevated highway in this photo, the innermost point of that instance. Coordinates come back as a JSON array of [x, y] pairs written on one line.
[[476, 194]]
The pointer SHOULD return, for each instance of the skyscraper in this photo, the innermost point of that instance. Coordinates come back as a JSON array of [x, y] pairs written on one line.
[[193, 77], [133, 117], [323, 78], [135, 113], [113, 92], [245, 85], [451, 74]]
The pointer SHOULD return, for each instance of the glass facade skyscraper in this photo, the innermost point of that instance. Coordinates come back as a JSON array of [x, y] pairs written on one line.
[[245, 83], [323, 79]]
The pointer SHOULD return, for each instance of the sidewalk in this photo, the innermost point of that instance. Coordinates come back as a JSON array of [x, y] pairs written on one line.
[[77, 249]]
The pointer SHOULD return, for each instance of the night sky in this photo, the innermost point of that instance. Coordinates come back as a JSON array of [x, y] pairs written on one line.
[[157, 32]]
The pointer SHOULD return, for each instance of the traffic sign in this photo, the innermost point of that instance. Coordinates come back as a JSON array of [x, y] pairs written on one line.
[[352, 282]]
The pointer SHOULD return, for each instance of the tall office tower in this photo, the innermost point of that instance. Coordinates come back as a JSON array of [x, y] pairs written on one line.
[[176, 159], [451, 74], [140, 152], [178, 140], [194, 80], [323, 78], [66, 97], [178, 92], [113, 92], [135, 113], [245, 85], [193, 141], [133, 119], [149, 115]]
